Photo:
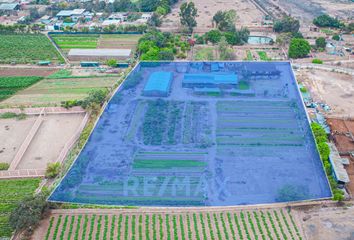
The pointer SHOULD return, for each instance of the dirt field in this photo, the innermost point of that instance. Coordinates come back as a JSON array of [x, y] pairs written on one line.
[[345, 144], [329, 223], [334, 89], [50, 140], [307, 10], [12, 133], [47, 143], [247, 14], [11, 71]]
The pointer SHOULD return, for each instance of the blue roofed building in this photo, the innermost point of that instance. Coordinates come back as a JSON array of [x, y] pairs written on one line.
[[158, 84], [210, 80]]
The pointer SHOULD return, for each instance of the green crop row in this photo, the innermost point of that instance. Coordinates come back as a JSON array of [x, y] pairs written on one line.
[[27, 48], [271, 224]]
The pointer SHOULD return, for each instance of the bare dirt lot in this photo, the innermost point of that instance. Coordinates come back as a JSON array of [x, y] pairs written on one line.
[[55, 131], [12, 133], [329, 223], [345, 144], [334, 89], [12, 71], [247, 14], [307, 10]]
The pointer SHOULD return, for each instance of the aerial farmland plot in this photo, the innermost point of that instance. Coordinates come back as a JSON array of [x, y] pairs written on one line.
[[27, 48], [200, 134]]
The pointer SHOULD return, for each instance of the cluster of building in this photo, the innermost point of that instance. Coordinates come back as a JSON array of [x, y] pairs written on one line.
[[80, 18]]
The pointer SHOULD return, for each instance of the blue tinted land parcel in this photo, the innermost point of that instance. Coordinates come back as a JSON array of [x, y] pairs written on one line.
[[200, 134]]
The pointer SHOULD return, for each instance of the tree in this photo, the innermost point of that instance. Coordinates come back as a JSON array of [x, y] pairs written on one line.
[[123, 6], [225, 20], [52, 170], [151, 55], [287, 24], [225, 53], [320, 43], [188, 13], [95, 97], [148, 5], [28, 213], [327, 21], [299, 48], [213, 36]]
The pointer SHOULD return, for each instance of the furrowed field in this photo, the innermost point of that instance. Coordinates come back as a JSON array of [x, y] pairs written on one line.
[[233, 224], [12, 192], [27, 48]]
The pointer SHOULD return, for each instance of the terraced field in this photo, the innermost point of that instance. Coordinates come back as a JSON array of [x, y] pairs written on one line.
[[262, 224]]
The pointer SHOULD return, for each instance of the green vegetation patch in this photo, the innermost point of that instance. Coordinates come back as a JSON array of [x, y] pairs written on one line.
[[166, 164], [11, 193], [263, 56], [27, 48], [10, 85], [204, 54], [69, 41]]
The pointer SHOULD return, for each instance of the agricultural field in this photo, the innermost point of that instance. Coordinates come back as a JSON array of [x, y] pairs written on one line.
[[11, 85], [248, 142], [93, 41], [12, 192], [27, 48], [249, 224], [30, 71], [60, 86]]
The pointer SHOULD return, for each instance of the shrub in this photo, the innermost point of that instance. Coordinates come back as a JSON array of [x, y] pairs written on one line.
[[111, 62], [336, 37], [52, 170], [326, 21], [4, 166], [29, 212], [320, 42], [317, 61], [213, 36]]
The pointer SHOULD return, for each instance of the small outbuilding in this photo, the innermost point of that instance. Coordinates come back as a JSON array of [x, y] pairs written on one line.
[[158, 84]]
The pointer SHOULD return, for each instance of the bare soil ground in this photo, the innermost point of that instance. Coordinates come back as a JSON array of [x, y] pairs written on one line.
[[55, 131], [12, 71], [334, 89], [247, 14], [307, 10], [340, 129], [53, 134], [12, 133], [329, 223]]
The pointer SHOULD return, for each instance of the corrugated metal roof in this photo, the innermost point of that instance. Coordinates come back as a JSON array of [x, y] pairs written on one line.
[[8, 6], [210, 78], [100, 52], [337, 164], [159, 81]]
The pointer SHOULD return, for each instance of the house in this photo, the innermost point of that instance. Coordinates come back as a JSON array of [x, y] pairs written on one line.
[[9, 8], [146, 16], [75, 14], [118, 16]]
